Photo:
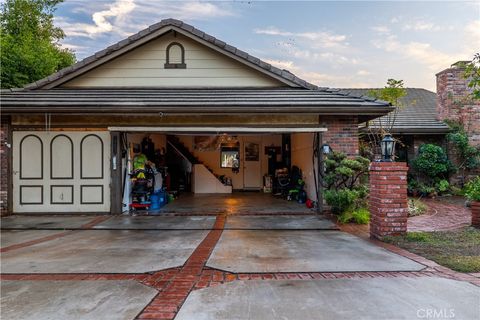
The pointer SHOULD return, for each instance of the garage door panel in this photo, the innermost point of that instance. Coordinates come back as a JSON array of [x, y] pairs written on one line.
[[31, 157], [61, 157], [91, 194], [31, 195], [61, 194], [61, 172], [91, 150]]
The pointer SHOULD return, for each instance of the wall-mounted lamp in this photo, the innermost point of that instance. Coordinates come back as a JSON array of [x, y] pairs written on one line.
[[326, 149]]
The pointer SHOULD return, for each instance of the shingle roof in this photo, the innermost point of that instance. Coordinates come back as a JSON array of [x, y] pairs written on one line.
[[281, 100], [418, 114], [179, 26]]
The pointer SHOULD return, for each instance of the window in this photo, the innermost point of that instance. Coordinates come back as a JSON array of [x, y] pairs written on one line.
[[229, 157], [175, 56]]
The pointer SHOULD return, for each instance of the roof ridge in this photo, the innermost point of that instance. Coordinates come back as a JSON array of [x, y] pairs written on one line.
[[242, 55], [346, 93]]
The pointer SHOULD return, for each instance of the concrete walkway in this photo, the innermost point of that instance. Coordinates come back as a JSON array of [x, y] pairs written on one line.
[[214, 267], [342, 299]]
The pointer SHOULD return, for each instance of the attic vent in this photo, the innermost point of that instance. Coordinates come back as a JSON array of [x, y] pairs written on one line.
[[175, 56]]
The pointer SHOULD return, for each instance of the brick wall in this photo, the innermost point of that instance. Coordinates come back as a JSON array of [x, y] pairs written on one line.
[[454, 103], [388, 199], [4, 164], [342, 134]]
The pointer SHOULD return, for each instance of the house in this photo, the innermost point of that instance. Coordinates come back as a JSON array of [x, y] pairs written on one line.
[[415, 122], [212, 118]]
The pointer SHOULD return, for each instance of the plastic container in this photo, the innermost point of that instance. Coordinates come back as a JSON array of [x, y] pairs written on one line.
[[158, 200], [155, 200]]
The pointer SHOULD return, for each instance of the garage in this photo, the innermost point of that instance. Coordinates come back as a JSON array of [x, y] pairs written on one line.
[[222, 122], [205, 170]]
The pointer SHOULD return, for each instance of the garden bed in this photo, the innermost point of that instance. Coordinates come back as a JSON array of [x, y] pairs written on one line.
[[458, 250]]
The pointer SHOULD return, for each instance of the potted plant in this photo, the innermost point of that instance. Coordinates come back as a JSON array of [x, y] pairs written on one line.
[[472, 192]]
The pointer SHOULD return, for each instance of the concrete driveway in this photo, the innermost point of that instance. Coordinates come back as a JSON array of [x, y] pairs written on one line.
[[207, 267]]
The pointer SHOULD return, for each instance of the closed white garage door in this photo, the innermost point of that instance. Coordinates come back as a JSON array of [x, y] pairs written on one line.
[[61, 171]]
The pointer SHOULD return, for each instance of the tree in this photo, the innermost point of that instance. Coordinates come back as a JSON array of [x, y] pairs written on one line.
[[30, 42], [468, 156], [393, 92], [472, 72]]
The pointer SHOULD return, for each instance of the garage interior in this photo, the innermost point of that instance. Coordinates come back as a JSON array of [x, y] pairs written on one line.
[[269, 170]]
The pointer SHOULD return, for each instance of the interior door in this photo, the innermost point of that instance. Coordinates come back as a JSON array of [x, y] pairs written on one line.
[[252, 169], [61, 171]]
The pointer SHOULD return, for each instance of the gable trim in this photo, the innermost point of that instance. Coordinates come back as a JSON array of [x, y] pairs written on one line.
[[156, 31]]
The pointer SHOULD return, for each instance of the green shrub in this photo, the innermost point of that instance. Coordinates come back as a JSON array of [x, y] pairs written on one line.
[[416, 207], [456, 191], [340, 200], [412, 185], [432, 162], [472, 189], [442, 185], [360, 216], [344, 181], [341, 172]]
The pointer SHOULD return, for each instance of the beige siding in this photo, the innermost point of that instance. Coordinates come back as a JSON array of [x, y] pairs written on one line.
[[144, 67]]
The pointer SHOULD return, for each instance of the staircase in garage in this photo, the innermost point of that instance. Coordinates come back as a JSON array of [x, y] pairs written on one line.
[[181, 149]]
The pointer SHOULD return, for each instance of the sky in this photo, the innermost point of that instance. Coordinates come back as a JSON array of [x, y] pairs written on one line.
[[337, 44]]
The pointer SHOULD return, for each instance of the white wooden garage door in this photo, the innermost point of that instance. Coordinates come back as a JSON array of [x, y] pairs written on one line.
[[61, 171]]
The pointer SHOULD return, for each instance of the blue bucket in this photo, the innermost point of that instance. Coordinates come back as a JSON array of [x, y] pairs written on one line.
[[155, 201]]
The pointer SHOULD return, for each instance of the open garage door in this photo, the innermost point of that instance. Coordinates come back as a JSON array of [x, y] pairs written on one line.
[[61, 171], [205, 147]]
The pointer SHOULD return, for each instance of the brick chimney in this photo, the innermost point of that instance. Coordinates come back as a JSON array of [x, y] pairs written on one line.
[[454, 101]]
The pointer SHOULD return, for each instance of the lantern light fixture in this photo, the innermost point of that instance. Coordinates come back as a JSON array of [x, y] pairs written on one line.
[[388, 148], [326, 149]]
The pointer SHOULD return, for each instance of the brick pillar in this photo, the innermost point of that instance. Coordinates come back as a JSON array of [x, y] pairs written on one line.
[[4, 165], [388, 199], [475, 207]]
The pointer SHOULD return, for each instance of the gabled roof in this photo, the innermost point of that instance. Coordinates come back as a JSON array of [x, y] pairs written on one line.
[[155, 31], [417, 116]]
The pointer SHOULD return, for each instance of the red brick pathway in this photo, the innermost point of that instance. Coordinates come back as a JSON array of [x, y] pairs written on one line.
[[441, 216]]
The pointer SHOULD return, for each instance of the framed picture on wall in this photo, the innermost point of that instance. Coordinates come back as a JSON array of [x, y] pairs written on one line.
[[252, 151]]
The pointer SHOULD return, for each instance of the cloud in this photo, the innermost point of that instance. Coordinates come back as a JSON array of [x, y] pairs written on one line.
[[381, 29], [363, 73], [418, 24], [191, 10], [420, 52], [104, 21], [422, 26], [124, 17], [472, 31], [323, 39], [321, 79], [426, 54]]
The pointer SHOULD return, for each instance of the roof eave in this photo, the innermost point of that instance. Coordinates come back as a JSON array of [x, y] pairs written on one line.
[[371, 111]]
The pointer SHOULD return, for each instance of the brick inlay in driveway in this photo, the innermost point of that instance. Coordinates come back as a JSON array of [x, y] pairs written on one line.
[[169, 300]]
